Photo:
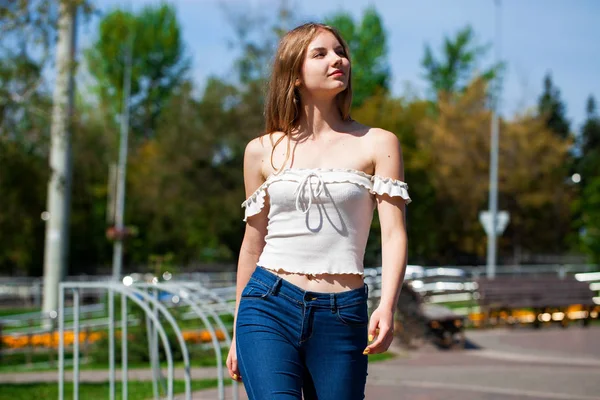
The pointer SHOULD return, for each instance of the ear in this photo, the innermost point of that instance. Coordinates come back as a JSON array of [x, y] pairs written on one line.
[[297, 83]]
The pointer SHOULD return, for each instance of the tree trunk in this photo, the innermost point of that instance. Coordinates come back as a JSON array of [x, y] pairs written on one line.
[[59, 186]]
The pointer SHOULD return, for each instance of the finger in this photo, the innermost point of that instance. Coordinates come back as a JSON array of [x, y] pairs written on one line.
[[373, 333], [233, 370], [373, 329], [236, 371], [383, 336], [373, 336], [235, 375], [372, 348], [383, 346]]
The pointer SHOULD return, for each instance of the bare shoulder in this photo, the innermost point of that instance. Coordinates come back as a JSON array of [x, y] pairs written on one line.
[[263, 144], [379, 138], [255, 148], [254, 157], [386, 153], [258, 153]]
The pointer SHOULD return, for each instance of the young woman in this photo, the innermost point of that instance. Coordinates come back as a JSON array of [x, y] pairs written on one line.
[[313, 181]]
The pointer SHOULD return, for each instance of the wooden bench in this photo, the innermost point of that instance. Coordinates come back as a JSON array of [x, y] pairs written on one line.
[[545, 298]]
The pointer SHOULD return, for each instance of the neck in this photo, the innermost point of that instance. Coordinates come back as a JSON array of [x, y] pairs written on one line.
[[319, 116]]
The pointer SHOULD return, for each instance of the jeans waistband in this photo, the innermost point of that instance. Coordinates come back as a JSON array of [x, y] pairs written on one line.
[[316, 299]]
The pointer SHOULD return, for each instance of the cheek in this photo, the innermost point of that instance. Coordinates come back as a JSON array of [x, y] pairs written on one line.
[[346, 64], [313, 72]]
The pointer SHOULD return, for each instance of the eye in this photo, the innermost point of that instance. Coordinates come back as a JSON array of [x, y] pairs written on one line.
[[319, 55]]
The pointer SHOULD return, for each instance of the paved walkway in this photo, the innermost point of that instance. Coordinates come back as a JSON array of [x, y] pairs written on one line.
[[501, 365]]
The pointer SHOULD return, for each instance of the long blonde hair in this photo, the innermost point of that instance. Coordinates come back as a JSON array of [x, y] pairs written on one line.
[[283, 102]]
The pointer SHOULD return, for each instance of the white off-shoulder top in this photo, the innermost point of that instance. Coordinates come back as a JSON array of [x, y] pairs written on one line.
[[319, 218]]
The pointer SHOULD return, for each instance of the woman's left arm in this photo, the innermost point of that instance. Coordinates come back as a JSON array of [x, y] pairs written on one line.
[[388, 164]]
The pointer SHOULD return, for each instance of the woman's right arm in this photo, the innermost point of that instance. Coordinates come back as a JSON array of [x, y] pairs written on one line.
[[256, 225], [254, 238]]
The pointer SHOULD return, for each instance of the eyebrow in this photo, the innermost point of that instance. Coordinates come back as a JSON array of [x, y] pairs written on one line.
[[340, 47]]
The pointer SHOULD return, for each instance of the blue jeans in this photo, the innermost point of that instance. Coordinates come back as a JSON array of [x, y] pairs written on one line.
[[291, 341]]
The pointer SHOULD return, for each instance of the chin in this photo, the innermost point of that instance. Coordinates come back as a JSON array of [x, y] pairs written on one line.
[[330, 90], [340, 89], [337, 86]]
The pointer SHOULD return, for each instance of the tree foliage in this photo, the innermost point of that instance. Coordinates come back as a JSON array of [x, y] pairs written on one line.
[[153, 39], [591, 219], [27, 36], [531, 186], [458, 64], [589, 146], [588, 165], [551, 106], [180, 192]]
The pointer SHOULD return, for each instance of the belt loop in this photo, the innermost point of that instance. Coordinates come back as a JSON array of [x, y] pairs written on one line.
[[275, 288], [332, 302]]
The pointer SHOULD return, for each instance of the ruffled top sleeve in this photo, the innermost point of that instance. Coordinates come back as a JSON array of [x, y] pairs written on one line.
[[391, 187], [255, 203]]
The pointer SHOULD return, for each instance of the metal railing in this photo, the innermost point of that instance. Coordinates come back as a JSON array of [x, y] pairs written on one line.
[[448, 284], [199, 299], [28, 291]]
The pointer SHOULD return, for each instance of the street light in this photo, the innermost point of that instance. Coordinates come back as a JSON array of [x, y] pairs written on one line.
[[493, 195]]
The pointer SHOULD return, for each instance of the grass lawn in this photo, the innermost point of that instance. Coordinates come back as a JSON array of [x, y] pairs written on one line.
[[461, 304], [49, 391], [15, 311], [16, 363], [381, 357]]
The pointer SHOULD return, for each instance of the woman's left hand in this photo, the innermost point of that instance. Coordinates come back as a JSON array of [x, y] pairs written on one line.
[[381, 329]]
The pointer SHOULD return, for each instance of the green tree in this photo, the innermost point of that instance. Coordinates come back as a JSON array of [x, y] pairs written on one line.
[[458, 64], [27, 37], [24, 108], [92, 150], [588, 165], [589, 160], [553, 109], [159, 62], [23, 178], [591, 218], [186, 185], [368, 50], [454, 146], [534, 189], [590, 133]]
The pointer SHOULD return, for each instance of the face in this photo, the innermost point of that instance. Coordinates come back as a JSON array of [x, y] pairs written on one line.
[[326, 68]]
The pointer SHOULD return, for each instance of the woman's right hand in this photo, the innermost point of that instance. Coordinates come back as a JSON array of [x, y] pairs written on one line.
[[232, 363]]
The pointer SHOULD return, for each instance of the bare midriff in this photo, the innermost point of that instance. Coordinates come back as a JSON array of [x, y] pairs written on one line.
[[323, 283]]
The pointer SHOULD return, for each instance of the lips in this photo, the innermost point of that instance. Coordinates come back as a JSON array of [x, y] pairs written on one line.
[[337, 72]]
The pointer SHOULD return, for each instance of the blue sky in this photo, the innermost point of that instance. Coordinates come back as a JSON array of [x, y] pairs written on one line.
[[538, 36]]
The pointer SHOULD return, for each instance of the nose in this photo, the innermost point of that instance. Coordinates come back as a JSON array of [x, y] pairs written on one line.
[[337, 60]]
